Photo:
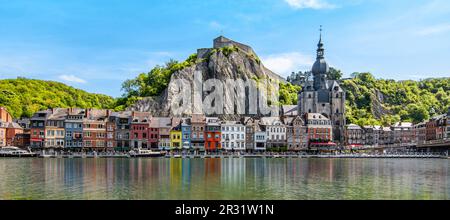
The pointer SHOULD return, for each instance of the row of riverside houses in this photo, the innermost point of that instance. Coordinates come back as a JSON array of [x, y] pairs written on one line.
[[77, 129], [434, 130], [104, 130]]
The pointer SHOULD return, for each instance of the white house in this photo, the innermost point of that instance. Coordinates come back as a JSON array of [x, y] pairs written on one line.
[[233, 135], [260, 138], [275, 131]]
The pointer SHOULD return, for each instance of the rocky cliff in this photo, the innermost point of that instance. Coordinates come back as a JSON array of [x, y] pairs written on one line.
[[231, 60]]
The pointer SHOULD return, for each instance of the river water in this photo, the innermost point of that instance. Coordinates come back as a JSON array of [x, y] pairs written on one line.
[[210, 179]]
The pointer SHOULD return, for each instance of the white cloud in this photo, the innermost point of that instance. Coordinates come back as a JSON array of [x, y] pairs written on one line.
[[72, 78], [437, 29], [313, 4], [286, 63], [216, 25]]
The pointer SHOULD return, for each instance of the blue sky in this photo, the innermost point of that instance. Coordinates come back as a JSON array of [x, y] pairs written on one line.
[[97, 44]]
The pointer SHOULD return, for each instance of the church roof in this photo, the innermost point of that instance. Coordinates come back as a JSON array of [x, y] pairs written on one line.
[[334, 84], [315, 116], [289, 110], [320, 66]]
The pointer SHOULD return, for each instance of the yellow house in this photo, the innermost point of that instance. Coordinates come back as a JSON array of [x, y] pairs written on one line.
[[175, 139]]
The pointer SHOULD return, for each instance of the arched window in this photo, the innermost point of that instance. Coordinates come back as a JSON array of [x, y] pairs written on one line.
[[309, 96]]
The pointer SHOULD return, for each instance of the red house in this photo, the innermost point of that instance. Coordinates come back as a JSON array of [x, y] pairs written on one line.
[[213, 135], [140, 124]]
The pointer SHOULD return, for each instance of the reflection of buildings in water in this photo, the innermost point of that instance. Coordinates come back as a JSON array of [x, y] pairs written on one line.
[[212, 169], [320, 170], [73, 174], [257, 167], [175, 172], [276, 173], [53, 174], [233, 171], [90, 180], [186, 174], [109, 173]]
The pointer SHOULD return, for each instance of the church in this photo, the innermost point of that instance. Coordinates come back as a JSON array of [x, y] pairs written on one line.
[[324, 96]]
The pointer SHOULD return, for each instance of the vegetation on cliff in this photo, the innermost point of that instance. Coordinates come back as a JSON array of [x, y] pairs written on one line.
[[22, 97], [152, 83]]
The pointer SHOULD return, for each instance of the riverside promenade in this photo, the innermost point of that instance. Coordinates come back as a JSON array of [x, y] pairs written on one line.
[[260, 155]]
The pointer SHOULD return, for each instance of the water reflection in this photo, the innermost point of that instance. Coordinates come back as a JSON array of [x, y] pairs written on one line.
[[224, 179]]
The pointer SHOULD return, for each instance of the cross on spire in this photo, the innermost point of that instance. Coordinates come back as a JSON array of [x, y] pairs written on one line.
[[320, 30], [320, 33]]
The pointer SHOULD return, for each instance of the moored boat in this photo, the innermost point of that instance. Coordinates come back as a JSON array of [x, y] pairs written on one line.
[[15, 152], [146, 153]]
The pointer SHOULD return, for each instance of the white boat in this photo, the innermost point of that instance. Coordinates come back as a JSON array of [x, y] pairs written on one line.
[[145, 153], [15, 152]]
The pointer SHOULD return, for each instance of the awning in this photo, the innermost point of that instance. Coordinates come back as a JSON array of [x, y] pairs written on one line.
[[36, 139]]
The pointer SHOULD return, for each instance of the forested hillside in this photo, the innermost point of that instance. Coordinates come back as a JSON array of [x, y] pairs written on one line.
[[381, 101], [22, 97]]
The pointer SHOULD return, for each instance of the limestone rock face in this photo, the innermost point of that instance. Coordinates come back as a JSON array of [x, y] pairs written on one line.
[[212, 64]]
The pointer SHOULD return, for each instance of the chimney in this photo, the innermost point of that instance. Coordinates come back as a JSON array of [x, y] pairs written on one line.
[[88, 113]]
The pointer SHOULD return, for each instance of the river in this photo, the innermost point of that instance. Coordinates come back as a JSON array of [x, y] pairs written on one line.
[[223, 179]]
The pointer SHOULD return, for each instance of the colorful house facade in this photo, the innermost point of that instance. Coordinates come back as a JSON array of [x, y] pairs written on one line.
[[74, 129], [213, 135], [139, 130], [198, 126], [175, 135], [186, 133], [38, 122]]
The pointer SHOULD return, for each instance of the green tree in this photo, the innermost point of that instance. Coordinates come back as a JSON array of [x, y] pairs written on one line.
[[334, 74]]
